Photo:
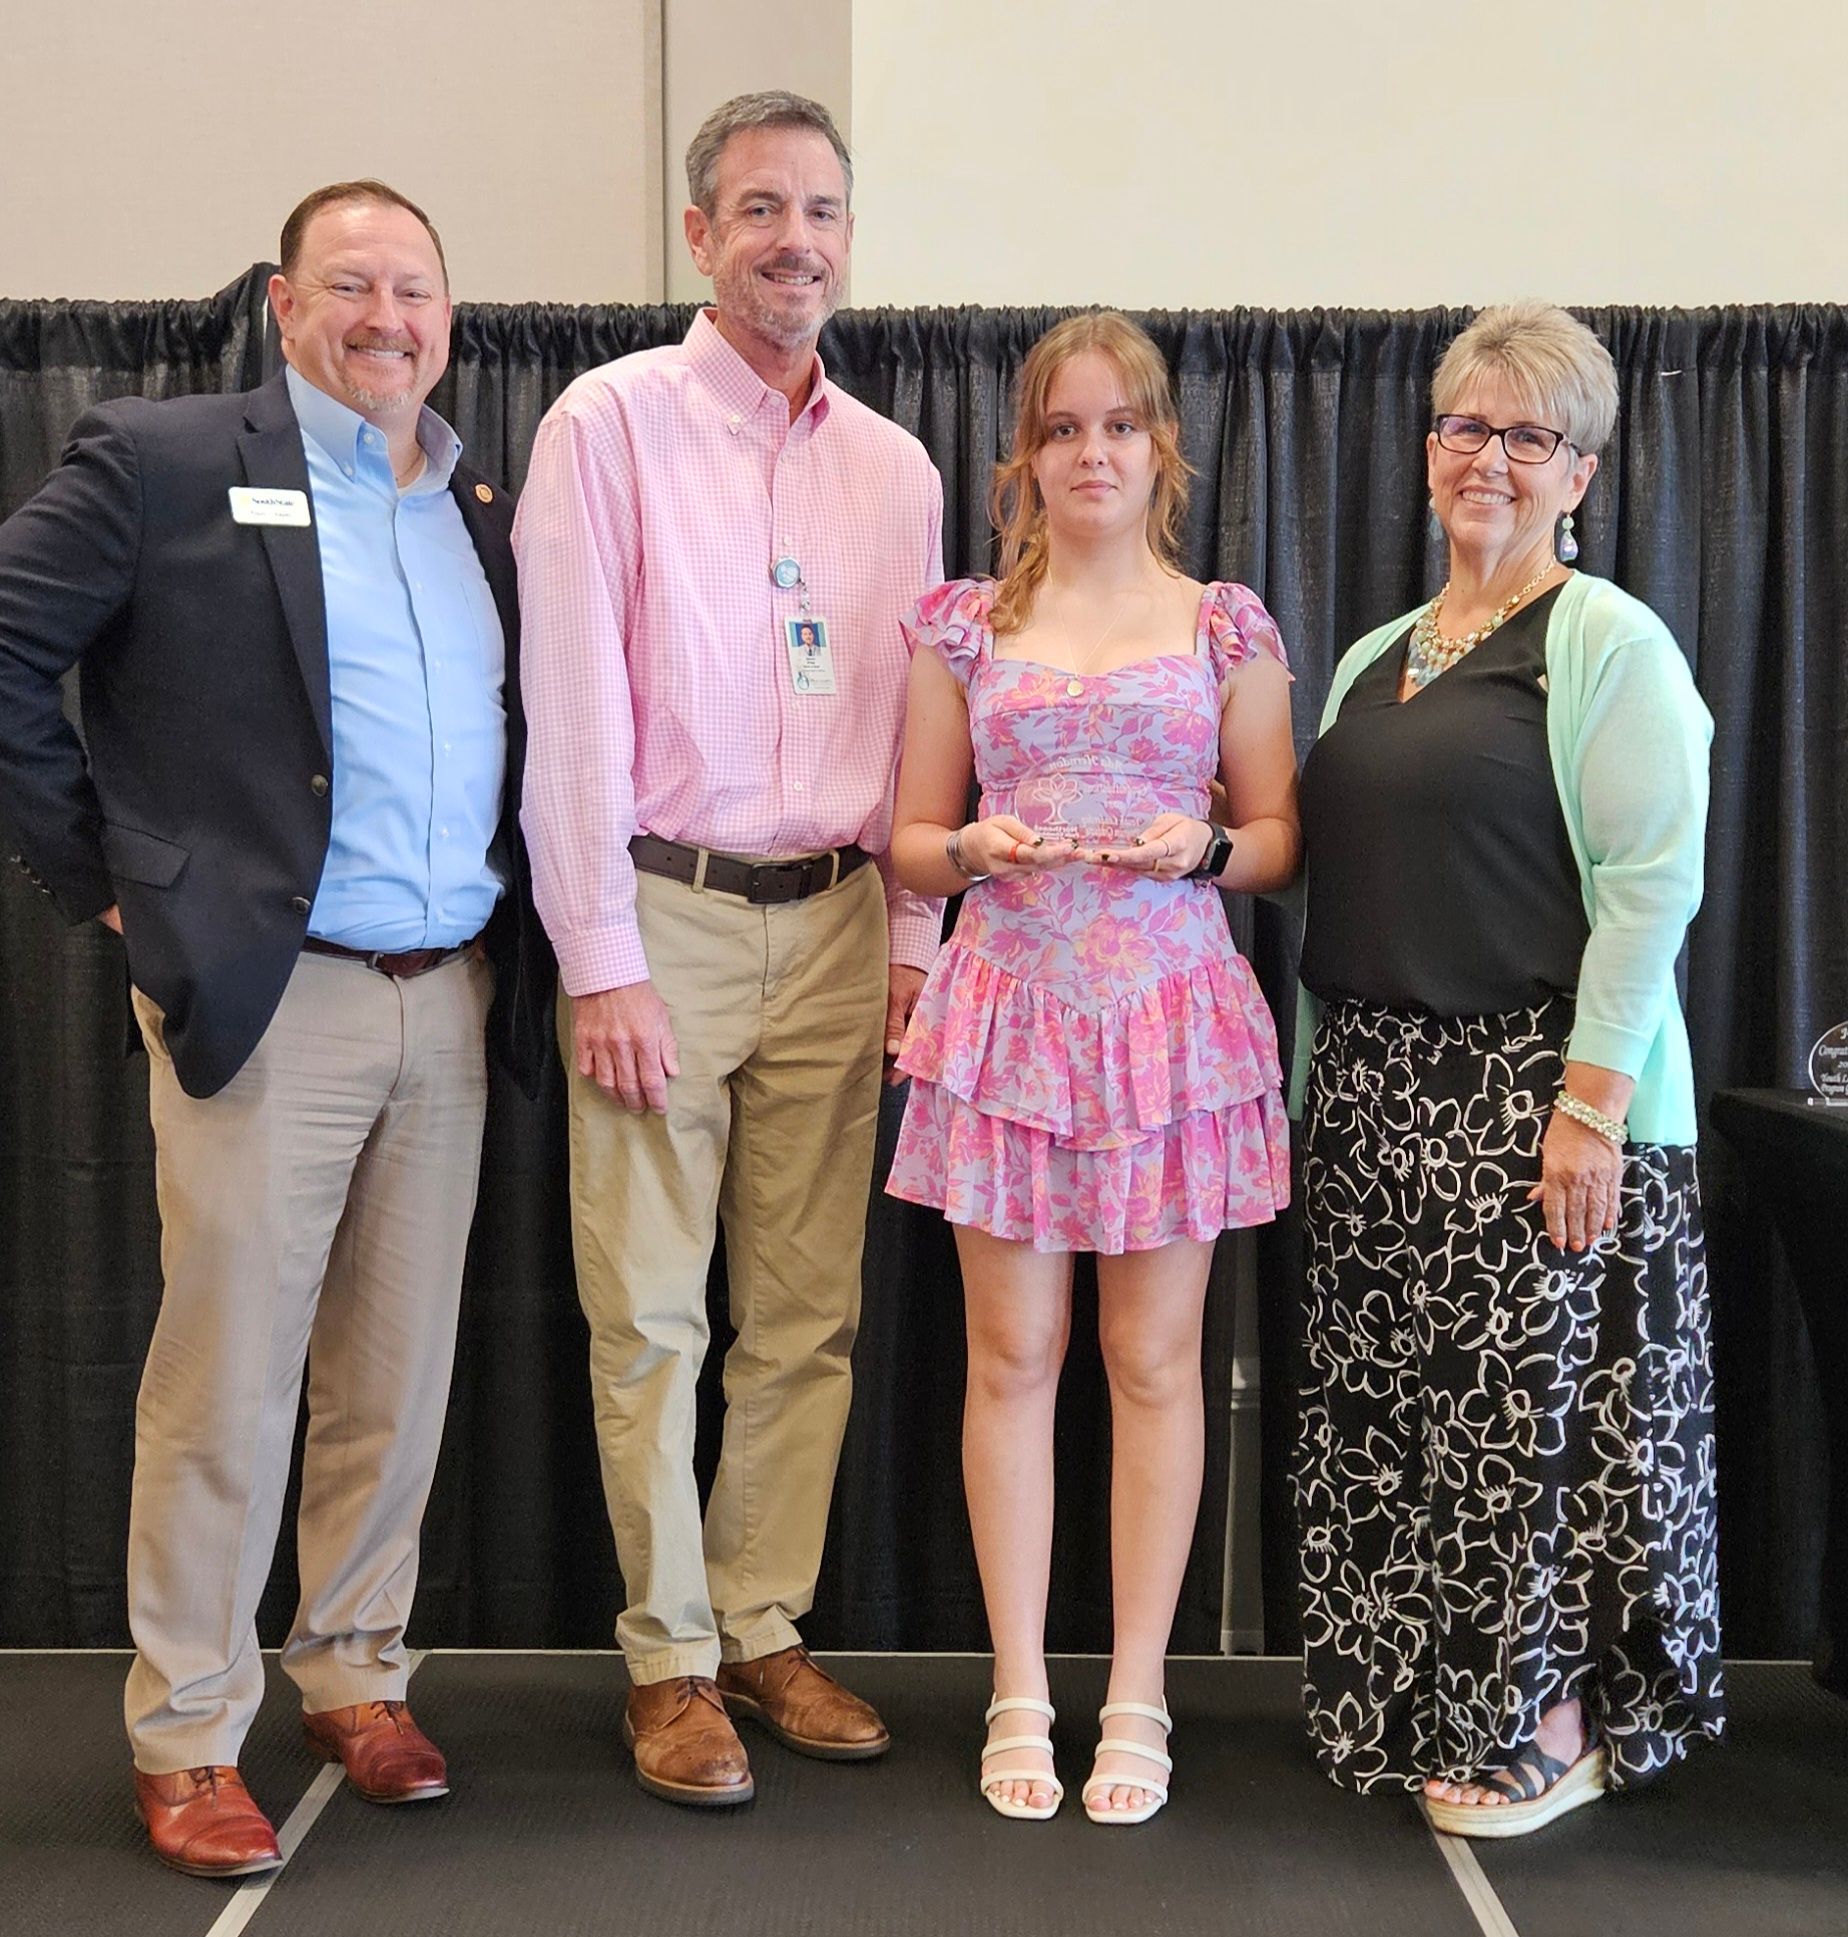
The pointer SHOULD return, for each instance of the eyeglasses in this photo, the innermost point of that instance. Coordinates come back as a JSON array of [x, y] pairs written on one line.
[[1524, 443]]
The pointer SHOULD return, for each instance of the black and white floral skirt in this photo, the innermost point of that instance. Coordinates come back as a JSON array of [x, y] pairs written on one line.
[[1505, 1485]]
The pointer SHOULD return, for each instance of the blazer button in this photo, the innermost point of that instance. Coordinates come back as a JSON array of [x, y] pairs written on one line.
[[301, 904], [318, 786]]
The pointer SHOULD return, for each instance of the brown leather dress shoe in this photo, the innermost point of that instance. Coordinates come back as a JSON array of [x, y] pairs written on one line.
[[388, 1757], [203, 1821], [804, 1707], [686, 1749]]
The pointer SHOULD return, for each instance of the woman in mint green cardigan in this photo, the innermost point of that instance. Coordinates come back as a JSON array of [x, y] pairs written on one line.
[[1505, 1483]]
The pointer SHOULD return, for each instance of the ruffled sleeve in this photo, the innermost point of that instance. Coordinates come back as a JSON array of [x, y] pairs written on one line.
[[952, 622], [1238, 629]]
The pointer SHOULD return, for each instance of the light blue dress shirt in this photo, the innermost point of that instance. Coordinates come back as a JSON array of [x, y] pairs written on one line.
[[416, 667]]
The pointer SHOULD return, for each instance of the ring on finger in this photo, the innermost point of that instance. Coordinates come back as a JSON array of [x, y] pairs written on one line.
[[1013, 855]]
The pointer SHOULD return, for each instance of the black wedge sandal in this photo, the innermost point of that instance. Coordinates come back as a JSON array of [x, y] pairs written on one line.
[[1539, 1787]]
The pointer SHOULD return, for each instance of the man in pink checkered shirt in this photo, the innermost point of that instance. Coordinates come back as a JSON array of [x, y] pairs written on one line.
[[716, 550]]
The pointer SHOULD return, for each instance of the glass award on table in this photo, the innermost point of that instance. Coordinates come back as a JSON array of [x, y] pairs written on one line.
[[1828, 1068]]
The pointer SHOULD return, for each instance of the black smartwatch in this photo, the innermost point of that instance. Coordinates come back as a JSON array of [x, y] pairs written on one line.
[[1213, 861]]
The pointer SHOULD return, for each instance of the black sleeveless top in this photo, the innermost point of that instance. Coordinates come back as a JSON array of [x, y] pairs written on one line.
[[1440, 874]]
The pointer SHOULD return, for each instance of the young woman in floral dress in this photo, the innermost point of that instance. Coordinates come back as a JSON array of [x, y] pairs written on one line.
[[1092, 1066]]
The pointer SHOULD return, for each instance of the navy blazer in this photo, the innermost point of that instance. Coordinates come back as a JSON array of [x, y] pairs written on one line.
[[203, 802]]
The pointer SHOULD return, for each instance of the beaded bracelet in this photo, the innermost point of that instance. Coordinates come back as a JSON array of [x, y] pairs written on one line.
[[952, 849], [1608, 1127]]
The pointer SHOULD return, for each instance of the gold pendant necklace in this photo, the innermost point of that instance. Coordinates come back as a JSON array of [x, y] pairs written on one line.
[[1075, 684]]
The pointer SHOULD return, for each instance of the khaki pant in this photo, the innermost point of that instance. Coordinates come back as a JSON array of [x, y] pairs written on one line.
[[315, 1210], [779, 1014]]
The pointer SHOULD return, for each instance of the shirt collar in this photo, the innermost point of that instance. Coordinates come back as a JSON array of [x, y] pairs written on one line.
[[732, 380], [336, 428]]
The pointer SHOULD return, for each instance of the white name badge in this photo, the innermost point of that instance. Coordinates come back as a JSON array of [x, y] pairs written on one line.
[[253, 505], [811, 657]]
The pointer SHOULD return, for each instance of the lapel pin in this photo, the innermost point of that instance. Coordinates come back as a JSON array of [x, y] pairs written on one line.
[[485, 492]]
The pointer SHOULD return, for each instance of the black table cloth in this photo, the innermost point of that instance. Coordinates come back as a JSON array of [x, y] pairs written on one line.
[[1796, 1152]]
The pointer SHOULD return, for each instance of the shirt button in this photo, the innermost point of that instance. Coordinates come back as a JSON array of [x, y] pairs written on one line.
[[318, 786], [301, 904]]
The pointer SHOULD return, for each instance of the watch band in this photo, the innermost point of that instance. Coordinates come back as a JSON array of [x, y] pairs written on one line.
[[1213, 861]]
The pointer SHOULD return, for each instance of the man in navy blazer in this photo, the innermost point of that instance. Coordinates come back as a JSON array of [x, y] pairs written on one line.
[[297, 800]]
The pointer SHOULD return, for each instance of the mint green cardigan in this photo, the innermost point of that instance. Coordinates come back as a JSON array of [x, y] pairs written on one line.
[[1627, 735]]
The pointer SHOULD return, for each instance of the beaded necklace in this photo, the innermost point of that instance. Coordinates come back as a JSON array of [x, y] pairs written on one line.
[[1430, 653]]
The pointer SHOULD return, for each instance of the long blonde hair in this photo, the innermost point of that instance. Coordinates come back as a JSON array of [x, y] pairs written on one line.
[[1019, 515]]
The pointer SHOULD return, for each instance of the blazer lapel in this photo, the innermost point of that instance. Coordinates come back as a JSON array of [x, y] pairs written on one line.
[[491, 546], [271, 453], [487, 520]]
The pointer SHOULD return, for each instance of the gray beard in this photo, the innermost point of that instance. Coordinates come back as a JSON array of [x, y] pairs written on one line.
[[372, 400], [740, 298]]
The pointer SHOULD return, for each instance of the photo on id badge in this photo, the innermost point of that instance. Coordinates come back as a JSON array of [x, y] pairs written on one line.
[[811, 660]]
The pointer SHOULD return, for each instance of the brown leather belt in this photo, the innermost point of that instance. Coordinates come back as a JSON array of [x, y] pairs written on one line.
[[757, 881], [401, 966]]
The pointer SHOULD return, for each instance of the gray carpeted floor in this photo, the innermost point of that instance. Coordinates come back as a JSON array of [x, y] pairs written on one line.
[[1749, 1839], [547, 1832]]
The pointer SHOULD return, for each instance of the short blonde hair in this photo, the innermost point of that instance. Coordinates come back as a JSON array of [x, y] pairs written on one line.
[[1550, 358], [1019, 516]]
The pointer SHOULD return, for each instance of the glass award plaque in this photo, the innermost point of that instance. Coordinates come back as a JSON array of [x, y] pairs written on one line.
[[1090, 811], [1828, 1068]]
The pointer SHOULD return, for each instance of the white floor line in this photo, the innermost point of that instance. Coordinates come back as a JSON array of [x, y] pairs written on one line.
[[248, 1899], [858, 1654], [874, 1654], [123, 1652], [1478, 1892]]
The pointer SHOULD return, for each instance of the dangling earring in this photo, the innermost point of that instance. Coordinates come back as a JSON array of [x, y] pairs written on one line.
[[1568, 545], [1433, 523]]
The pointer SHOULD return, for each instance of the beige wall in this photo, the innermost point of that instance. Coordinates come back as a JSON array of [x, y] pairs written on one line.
[[1039, 151], [153, 150], [1200, 153], [718, 48]]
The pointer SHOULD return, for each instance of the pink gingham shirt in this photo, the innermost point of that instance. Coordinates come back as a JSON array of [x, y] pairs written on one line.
[[654, 665]]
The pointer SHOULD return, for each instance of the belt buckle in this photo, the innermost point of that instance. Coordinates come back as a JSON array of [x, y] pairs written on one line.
[[773, 882], [396, 964]]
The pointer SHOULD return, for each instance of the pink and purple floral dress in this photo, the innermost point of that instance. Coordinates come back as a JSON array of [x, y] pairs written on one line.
[[1092, 1065]]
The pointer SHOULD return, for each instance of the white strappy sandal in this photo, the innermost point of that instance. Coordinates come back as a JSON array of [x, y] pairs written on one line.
[[1121, 1745], [1025, 1812]]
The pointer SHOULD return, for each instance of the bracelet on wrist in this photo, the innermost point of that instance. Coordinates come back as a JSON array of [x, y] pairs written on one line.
[[1608, 1127], [952, 850]]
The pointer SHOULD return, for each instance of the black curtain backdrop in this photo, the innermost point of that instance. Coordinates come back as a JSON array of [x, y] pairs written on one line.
[[1720, 502]]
